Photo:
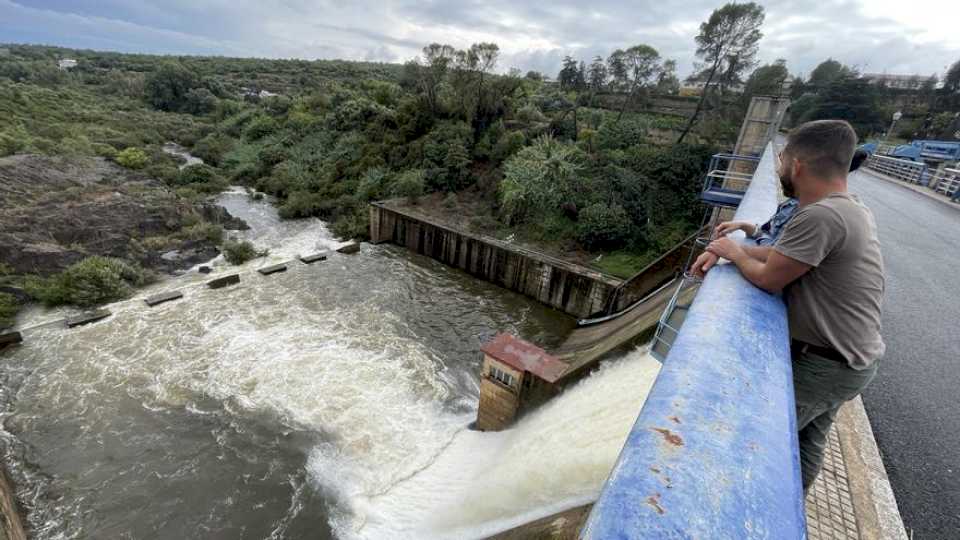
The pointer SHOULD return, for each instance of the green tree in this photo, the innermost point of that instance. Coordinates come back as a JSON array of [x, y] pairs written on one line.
[[767, 80], [827, 72], [951, 81], [667, 81], [727, 41], [567, 78], [617, 69], [167, 87], [538, 178], [643, 64], [852, 99]]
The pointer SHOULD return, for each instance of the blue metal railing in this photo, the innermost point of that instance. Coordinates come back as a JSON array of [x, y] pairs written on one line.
[[713, 453], [723, 186]]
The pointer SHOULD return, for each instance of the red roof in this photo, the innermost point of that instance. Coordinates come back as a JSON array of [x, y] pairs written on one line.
[[525, 356]]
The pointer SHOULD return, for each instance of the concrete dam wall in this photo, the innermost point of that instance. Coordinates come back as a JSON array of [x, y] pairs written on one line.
[[573, 289]]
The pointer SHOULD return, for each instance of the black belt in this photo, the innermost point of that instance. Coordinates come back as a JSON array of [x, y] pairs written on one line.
[[824, 352]]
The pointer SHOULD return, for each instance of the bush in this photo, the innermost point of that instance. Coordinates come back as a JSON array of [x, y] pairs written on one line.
[[351, 225], [260, 127], [240, 252], [213, 148], [210, 232], [132, 158], [371, 184], [8, 310], [410, 184], [300, 204], [602, 226], [92, 281], [201, 178]]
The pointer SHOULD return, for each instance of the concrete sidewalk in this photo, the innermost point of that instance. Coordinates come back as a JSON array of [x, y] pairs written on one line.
[[916, 188], [852, 498]]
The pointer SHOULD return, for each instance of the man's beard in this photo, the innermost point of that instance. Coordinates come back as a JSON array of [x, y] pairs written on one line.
[[786, 184]]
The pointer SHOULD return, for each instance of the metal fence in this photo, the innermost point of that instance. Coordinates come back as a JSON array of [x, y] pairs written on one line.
[[946, 181], [903, 169]]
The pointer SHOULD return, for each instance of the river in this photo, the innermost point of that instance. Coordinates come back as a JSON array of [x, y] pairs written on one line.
[[329, 401]]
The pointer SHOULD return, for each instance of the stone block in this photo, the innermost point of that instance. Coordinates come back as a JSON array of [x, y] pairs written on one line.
[[162, 297], [351, 247], [204, 269], [273, 269], [87, 317], [224, 281], [9, 338], [307, 259]]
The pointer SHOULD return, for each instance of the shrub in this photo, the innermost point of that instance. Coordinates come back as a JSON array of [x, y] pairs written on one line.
[[301, 204], [92, 281], [410, 184], [602, 226], [132, 158], [371, 184], [239, 252], [354, 224], [213, 148], [260, 127], [8, 310], [210, 232]]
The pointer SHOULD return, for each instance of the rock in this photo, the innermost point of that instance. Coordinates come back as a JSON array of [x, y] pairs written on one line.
[[87, 317], [163, 297], [350, 247], [9, 338], [224, 281], [55, 211], [219, 215], [204, 269], [307, 259], [20, 295], [272, 269]]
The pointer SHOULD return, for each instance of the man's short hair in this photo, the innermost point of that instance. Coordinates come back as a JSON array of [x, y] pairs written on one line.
[[825, 146]]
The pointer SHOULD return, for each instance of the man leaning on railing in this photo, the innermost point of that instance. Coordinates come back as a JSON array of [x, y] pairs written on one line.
[[828, 264]]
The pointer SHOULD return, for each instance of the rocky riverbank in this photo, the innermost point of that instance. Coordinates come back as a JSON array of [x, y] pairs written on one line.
[[55, 211]]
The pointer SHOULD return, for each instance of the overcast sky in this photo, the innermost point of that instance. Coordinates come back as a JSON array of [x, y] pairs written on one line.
[[919, 36]]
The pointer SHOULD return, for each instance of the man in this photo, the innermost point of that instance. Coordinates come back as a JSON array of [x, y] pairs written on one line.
[[828, 263]]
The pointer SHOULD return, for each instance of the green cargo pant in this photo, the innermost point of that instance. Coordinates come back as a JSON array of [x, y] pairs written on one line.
[[820, 387]]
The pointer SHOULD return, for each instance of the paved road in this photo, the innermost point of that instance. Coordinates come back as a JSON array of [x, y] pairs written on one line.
[[914, 403]]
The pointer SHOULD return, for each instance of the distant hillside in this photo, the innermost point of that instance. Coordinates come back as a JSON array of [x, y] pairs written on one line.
[[278, 76]]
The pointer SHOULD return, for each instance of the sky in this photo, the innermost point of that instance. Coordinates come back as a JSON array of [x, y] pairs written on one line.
[[916, 37]]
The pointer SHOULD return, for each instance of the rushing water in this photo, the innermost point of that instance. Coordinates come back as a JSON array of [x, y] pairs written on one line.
[[329, 401]]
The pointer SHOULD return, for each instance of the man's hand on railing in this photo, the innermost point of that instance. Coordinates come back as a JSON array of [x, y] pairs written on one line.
[[728, 227], [703, 264]]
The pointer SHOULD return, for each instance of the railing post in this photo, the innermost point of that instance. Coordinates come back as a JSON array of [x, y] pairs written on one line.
[[713, 453]]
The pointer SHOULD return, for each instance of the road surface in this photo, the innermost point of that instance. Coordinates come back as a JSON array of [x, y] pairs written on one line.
[[914, 403]]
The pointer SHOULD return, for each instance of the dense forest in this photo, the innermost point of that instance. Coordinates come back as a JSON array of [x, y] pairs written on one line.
[[600, 164]]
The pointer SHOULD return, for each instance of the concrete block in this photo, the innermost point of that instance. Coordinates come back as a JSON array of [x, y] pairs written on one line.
[[204, 269], [87, 317], [224, 281], [352, 247], [273, 269], [9, 338], [307, 259], [163, 297]]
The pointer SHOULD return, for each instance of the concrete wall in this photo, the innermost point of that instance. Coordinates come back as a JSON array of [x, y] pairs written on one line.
[[713, 453], [575, 290]]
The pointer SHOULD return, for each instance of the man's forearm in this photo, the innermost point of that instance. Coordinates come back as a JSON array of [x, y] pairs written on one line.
[[753, 270], [760, 253]]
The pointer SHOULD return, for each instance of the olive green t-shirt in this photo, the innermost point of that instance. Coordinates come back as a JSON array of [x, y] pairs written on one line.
[[837, 303]]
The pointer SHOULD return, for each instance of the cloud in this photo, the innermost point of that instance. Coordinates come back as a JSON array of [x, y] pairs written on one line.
[[878, 36]]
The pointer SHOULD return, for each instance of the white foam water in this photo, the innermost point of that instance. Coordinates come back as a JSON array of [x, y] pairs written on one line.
[[483, 483]]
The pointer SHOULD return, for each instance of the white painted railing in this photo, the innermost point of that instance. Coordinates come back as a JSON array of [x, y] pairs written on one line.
[[946, 181], [901, 169]]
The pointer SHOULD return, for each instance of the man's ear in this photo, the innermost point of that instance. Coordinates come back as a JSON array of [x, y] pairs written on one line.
[[795, 166]]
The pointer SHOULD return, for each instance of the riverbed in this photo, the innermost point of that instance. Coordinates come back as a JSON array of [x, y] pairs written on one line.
[[329, 401]]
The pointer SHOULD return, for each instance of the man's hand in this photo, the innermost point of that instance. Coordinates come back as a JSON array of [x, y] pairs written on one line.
[[704, 263], [728, 227], [727, 248]]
